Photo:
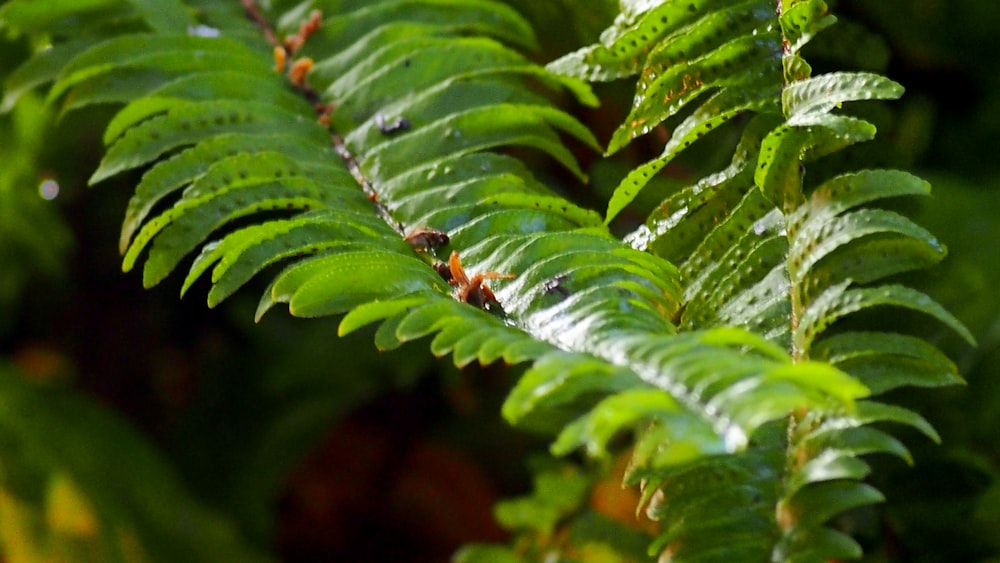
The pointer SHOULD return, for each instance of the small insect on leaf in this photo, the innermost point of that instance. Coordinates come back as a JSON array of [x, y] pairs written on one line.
[[280, 59], [443, 270], [401, 124], [474, 290], [426, 239], [555, 286], [295, 42], [324, 111], [301, 67]]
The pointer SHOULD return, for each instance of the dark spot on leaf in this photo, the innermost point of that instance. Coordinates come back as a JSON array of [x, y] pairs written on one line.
[[443, 270], [554, 285], [401, 124]]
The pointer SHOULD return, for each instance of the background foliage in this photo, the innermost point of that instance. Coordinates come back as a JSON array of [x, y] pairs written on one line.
[[248, 430]]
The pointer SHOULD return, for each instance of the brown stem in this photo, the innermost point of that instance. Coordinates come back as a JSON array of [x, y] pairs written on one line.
[[254, 12], [364, 182], [323, 113]]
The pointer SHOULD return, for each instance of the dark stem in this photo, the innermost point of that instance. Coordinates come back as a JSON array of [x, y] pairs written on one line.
[[323, 112], [254, 12]]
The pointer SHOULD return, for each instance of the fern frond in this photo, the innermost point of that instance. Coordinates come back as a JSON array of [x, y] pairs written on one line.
[[713, 329], [760, 248], [220, 158], [681, 52]]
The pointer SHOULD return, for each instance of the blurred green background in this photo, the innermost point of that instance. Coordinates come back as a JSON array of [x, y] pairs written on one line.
[[316, 448]]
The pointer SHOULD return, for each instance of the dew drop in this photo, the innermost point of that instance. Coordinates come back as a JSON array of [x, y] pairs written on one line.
[[48, 189], [203, 31]]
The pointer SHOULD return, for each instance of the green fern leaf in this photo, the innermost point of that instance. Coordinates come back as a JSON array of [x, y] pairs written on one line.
[[819, 505], [164, 16], [230, 85], [189, 122], [26, 14], [375, 311], [885, 361], [674, 87], [479, 17], [173, 174], [41, 69], [168, 54], [803, 19], [823, 93], [688, 439], [681, 51], [350, 278], [476, 130], [241, 255], [838, 301], [558, 384]]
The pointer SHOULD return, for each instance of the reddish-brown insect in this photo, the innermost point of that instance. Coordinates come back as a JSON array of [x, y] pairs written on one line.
[[300, 68], [473, 291], [425, 239], [443, 270], [280, 59], [324, 111], [295, 42]]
